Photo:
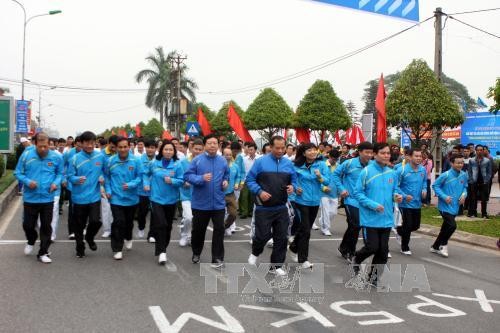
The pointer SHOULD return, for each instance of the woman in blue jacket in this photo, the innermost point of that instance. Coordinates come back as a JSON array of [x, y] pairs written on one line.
[[163, 179], [312, 174]]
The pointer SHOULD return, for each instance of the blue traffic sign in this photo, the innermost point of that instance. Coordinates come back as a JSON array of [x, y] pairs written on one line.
[[405, 137], [405, 9], [192, 128]]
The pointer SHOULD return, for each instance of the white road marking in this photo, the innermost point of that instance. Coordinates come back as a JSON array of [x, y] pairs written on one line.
[[9, 216], [484, 302], [18, 241], [463, 270], [228, 324], [170, 266], [389, 317]]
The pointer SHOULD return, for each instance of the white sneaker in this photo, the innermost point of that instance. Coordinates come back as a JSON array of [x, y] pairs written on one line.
[[252, 260], [315, 227], [278, 272], [183, 241], [251, 241], [228, 232], [28, 249], [151, 240], [140, 234], [406, 253], [290, 239], [71, 236], [389, 255], [128, 244], [53, 238], [106, 234], [270, 243], [162, 258], [443, 250], [433, 250], [327, 233], [118, 256], [45, 259], [306, 265]]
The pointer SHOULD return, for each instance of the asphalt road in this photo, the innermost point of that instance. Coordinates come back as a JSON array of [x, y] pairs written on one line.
[[99, 294]]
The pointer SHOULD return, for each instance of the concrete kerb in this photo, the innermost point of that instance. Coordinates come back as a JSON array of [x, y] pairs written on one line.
[[462, 237], [7, 196]]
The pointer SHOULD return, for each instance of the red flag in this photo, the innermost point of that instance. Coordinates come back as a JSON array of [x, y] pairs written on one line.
[[237, 125], [204, 124], [380, 107], [166, 135], [337, 139], [137, 130], [123, 133], [285, 134], [303, 135]]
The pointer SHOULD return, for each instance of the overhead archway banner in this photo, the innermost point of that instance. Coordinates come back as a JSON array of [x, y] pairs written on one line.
[[404, 9]]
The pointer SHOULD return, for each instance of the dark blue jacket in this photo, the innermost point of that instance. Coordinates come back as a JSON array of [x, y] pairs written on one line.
[[207, 195], [273, 176]]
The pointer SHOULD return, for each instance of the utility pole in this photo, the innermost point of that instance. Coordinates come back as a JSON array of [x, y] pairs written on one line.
[[438, 70], [177, 61]]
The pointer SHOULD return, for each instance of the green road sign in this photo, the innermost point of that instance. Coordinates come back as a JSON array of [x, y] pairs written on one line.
[[6, 124]]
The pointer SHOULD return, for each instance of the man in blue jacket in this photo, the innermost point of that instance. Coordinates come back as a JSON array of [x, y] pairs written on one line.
[[451, 190], [67, 156], [209, 175], [271, 179], [123, 174], [186, 192], [144, 202], [376, 191], [413, 187], [85, 173], [345, 177], [40, 170]]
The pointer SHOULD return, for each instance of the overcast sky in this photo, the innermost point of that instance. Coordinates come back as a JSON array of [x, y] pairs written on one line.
[[230, 44]]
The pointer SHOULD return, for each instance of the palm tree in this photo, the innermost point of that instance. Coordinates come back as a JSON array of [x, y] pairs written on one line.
[[162, 81]]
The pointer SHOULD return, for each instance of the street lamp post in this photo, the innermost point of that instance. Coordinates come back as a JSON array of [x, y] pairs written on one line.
[[26, 21], [40, 100]]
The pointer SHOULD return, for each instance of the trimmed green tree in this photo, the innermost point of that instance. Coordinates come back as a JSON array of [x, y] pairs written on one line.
[[321, 110], [420, 102], [268, 114], [153, 129], [494, 92], [219, 123]]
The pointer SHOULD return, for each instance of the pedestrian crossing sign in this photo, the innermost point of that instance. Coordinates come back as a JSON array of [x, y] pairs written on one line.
[[192, 128]]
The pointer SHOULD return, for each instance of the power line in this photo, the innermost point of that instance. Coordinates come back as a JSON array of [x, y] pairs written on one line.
[[473, 27], [476, 11], [33, 83], [96, 112], [314, 68]]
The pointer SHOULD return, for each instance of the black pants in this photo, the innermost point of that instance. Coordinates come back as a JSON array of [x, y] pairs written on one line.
[[411, 222], [300, 244], [31, 213], [200, 223], [71, 214], [122, 226], [377, 244], [447, 229], [271, 224], [428, 195], [143, 210], [161, 225], [296, 219], [90, 213], [478, 192], [351, 235]]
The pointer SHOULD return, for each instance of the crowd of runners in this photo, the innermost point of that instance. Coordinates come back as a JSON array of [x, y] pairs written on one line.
[[286, 190]]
